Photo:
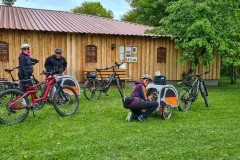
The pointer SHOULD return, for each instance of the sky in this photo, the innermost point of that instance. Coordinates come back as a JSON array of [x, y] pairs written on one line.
[[118, 7]]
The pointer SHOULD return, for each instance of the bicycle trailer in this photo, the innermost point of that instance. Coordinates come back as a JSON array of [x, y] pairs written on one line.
[[166, 96], [66, 80]]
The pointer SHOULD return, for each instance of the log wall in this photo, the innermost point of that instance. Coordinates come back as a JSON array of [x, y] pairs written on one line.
[[42, 44]]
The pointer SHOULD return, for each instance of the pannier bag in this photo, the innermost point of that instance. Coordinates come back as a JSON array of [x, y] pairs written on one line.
[[91, 75], [126, 101], [160, 80]]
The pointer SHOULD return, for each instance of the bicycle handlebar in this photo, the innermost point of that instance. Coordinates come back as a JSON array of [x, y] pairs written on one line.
[[190, 75], [198, 75], [9, 70], [52, 72], [111, 66]]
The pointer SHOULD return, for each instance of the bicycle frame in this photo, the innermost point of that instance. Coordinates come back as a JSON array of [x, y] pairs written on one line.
[[50, 81], [106, 83]]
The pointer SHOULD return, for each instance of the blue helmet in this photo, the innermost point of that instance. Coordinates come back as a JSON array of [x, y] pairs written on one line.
[[58, 50]]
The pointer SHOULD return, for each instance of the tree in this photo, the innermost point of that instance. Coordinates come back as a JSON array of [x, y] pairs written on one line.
[[8, 2], [94, 9], [148, 12], [130, 16], [203, 29]]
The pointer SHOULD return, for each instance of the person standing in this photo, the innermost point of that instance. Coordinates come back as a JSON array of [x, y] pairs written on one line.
[[141, 101], [25, 69], [56, 62]]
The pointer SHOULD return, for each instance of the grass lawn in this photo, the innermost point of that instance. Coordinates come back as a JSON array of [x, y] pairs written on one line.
[[98, 130]]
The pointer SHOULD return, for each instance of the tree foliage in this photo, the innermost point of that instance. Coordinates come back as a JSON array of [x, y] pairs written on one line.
[[8, 2], [203, 29], [129, 16], [94, 9], [148, 12]]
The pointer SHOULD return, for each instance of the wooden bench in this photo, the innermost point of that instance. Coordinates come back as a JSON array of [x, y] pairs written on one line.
[[105, 73]]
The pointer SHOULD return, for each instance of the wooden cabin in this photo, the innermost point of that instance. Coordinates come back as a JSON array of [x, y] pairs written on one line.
[[89, 42]]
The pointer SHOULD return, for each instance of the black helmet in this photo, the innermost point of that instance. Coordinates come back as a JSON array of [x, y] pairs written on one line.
[[58, 50]]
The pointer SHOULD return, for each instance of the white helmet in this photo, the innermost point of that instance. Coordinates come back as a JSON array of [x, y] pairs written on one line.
[[146, 76], [25, 45]]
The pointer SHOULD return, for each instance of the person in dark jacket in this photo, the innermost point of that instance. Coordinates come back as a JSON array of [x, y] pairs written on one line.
[[25, 69], [56, 62], [141, 102]]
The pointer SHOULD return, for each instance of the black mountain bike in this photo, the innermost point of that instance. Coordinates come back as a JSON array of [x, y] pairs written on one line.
[[187, 95], [14, 84], [93, 87]]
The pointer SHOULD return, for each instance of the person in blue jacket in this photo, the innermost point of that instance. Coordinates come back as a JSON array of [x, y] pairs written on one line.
[[141, 101], [25, 69]]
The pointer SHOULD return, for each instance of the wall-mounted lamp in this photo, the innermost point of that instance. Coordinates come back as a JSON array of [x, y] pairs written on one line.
[[113, 46]]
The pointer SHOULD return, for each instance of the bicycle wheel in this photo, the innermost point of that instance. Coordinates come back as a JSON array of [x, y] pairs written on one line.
[[204, 94], [120, 87], [92, 89], [167, 112], [65, 100], [10, 111], [184, 98]]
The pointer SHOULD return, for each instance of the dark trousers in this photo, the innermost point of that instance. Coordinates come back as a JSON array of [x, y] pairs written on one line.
[[149, 106], [25, 82]]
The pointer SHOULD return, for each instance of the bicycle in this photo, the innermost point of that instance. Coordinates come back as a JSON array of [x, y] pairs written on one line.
[[14, 84], [93, 88], [15, 105], [187, 95]]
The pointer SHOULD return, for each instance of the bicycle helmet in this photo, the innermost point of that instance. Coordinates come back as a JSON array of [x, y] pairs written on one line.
[[146, 76], [58, 50], [25, 45]]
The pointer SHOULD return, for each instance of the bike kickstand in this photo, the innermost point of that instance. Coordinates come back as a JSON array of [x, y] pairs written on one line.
[[33, 112]]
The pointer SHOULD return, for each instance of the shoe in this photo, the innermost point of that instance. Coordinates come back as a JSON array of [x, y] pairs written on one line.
[[141, 118], [24, 102], [129, 117]]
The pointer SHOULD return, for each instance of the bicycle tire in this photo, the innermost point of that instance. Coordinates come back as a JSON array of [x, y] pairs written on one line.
[[194, 92], [166, 112], [9, 115], [65, 100], [184, 98], [120, 87], [92, 89], [204, 95]]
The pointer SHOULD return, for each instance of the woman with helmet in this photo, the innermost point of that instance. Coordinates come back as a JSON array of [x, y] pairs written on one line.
[[25, 69], [141, 101]]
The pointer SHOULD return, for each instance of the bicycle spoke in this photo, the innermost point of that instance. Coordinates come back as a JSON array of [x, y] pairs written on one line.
[[10, 112]]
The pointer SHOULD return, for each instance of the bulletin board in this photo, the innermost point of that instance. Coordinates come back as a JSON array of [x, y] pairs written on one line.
[[128, 53]]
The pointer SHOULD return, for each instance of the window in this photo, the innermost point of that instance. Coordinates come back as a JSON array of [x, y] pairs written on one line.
[[4, 51], [161, 55], [91, 53]]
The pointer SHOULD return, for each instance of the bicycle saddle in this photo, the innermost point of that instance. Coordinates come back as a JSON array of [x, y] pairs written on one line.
[[8, 70]]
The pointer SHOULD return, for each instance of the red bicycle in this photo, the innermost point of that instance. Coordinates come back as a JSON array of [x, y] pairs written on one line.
[[15, 105]]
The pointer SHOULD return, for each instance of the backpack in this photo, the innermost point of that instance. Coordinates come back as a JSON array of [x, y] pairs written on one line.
[[160, 80], [127, 101]]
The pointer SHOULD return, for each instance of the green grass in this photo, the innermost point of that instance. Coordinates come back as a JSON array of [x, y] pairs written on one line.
[[98, 130]]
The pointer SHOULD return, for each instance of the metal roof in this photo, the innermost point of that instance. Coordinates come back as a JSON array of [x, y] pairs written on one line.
[[62, 21]]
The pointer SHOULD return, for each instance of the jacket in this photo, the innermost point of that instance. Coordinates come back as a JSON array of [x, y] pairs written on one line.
[[25, 69], [52, 62], [139, 92]]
